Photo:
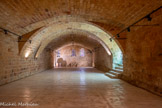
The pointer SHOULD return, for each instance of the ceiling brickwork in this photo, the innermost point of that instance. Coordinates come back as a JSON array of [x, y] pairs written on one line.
[[73, 39], [114, 15]]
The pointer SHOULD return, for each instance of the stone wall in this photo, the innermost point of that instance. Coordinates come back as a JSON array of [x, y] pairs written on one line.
[[103, 61], [13, 66], [143, 58], [67, 60]]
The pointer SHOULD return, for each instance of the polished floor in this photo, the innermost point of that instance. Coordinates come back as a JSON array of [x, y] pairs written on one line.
[[75, 88]]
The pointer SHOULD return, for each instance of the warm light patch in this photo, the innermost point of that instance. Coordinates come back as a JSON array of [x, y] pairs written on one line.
[[109, 52], [27, 54]]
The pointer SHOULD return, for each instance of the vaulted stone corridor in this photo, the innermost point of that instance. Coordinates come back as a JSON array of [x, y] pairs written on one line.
[[81, 53]]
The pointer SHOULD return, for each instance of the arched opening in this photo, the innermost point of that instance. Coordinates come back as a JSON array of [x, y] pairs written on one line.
[[89, 52], [45, 35]]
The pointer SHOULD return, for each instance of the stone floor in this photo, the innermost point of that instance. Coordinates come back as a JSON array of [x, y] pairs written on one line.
[[75, 88]]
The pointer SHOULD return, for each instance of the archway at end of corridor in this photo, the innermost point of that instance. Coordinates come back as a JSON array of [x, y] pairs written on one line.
[[45, 35], [73, 55], [79, 50]]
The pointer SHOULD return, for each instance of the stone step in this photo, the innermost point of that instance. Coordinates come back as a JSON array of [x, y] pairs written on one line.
[[114, 72], [111, 75], [117, 70], [121, 68], [121, 65]]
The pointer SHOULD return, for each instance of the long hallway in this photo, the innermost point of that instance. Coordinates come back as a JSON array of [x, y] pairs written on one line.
[[76, 88]]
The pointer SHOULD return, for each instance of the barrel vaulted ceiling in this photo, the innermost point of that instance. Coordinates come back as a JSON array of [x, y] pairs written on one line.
[[23, 16], [74, 39]]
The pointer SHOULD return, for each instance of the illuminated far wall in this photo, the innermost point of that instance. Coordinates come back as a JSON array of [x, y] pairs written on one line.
[[73, 56]]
